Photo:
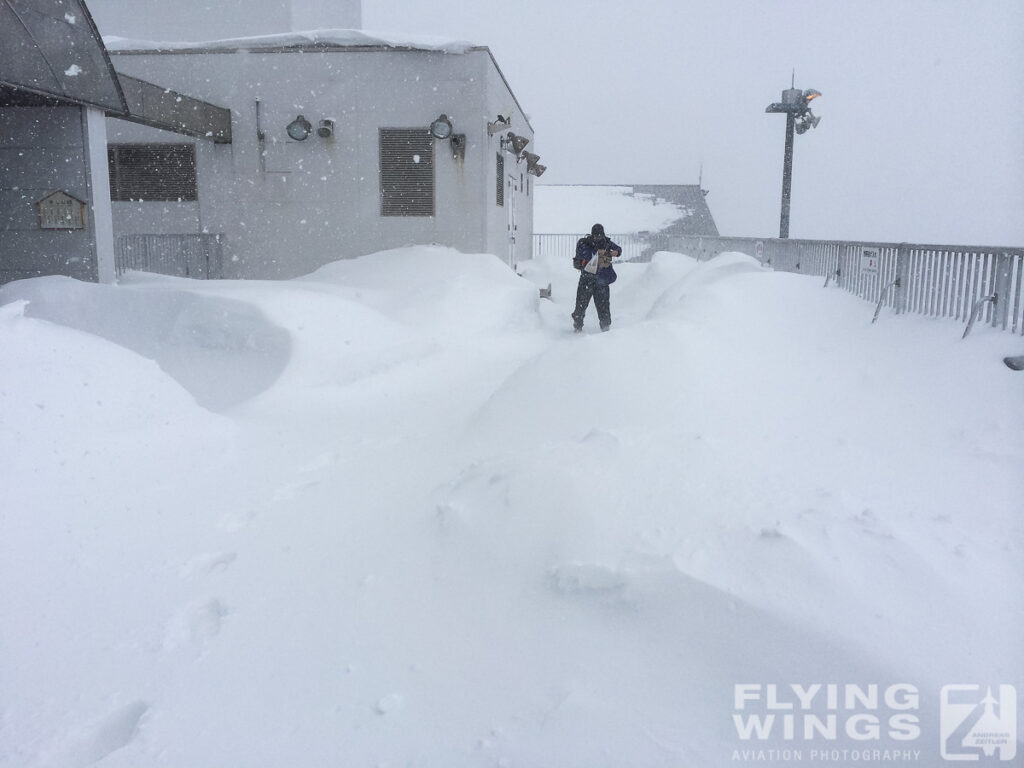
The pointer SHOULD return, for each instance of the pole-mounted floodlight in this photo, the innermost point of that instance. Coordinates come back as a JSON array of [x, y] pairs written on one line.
[[795, 105]]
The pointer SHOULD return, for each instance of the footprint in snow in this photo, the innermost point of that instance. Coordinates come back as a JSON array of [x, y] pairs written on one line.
[[89, 744], [196, 624], [207, 564], [291, 490], [587, 579], [234, 521]]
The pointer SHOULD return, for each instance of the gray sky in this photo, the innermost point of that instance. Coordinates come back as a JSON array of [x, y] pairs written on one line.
[[922, 131]]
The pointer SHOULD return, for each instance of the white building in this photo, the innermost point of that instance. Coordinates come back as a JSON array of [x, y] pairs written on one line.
[[207, 180], [376, 179]]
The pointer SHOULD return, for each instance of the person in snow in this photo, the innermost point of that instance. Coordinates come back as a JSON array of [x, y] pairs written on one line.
[[593, 259]]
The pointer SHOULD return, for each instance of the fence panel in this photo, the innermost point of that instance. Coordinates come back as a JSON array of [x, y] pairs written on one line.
[[934, 280], [195, 256]]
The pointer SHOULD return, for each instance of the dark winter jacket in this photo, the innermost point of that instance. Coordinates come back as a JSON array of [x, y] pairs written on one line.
[[586, 249]]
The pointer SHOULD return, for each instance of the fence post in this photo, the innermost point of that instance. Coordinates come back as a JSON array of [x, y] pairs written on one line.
[[1000, 313], [902, 277]]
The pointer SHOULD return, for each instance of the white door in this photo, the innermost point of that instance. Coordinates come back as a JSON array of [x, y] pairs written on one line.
[[511, 190]]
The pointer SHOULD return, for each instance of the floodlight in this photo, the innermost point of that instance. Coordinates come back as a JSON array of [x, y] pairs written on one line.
[[514, 144], [299, 128], [441, 128]]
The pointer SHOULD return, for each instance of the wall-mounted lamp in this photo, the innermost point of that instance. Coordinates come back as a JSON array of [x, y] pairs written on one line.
[[441, 128], [326, 129], [514, 144], [459, 146], [533, 165], [299, 128], [499, 125]]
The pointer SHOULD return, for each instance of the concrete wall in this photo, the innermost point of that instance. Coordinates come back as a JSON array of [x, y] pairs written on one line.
[[44, 149], [307, 203]]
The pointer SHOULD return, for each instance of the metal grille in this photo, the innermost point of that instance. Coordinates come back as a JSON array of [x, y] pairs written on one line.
[[152, 172], [406, 172], [196, 256], [500, 178]]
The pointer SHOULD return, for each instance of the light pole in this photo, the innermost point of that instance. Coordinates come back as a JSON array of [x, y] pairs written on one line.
[[795, 105]]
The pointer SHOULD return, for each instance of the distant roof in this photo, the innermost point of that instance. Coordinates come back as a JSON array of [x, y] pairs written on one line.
[[319, 39], [677, 209], [53, 51]]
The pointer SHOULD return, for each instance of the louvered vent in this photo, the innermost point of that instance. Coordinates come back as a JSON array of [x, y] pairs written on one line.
[[152, 171], [406, 172], [500, 173]]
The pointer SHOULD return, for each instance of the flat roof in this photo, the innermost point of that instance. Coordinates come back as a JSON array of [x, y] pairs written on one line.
[[313, 40], [319, 40]]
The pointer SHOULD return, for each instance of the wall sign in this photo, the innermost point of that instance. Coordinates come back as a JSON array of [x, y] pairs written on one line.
[[59, 210], [869, 260]]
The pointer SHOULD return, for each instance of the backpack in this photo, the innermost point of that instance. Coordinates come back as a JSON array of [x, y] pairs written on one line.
[[578, 262]]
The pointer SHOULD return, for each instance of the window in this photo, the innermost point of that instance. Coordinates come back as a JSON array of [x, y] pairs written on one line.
[[500, 177], [406, 172], [152, 171]]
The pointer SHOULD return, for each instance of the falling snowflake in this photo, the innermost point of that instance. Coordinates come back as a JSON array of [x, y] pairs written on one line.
[[73, 71]]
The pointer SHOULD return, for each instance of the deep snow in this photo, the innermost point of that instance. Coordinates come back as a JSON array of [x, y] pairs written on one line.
[[396, 513]]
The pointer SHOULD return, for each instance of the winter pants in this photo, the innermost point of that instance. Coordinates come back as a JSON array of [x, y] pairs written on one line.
[[602, 300]]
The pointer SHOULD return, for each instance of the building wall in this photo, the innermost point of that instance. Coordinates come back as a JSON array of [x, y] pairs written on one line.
[[42, 150], [304, 204], [513, 246]]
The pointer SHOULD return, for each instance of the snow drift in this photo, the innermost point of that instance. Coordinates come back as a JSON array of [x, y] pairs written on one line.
[[395, 513]]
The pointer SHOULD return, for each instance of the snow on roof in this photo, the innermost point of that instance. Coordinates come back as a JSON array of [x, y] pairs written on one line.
[[575, 208], [318, 38]]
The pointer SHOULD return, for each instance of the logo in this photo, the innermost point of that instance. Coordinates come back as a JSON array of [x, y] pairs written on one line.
[[973, 722]]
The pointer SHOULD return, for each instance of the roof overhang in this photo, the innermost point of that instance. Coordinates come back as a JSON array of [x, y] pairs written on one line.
[[51, 48], [51, 54], [159, 107]]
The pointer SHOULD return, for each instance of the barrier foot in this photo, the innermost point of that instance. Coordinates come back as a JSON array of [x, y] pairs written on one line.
[[976, 309]]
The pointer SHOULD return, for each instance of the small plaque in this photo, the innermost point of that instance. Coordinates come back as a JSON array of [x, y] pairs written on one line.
[[59, 210], [869, 259]]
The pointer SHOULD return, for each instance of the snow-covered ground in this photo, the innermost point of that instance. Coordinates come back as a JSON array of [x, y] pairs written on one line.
[[395, 513]]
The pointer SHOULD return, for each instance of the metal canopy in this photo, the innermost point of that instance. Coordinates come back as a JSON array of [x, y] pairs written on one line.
[[51, 54], [160, 107], [52, 48]]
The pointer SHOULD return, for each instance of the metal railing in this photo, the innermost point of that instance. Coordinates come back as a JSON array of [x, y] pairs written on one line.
[[634, 247], [953, 281], [197, 256]]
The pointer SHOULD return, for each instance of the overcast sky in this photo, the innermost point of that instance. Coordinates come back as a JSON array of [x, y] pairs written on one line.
[[922, 131]]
